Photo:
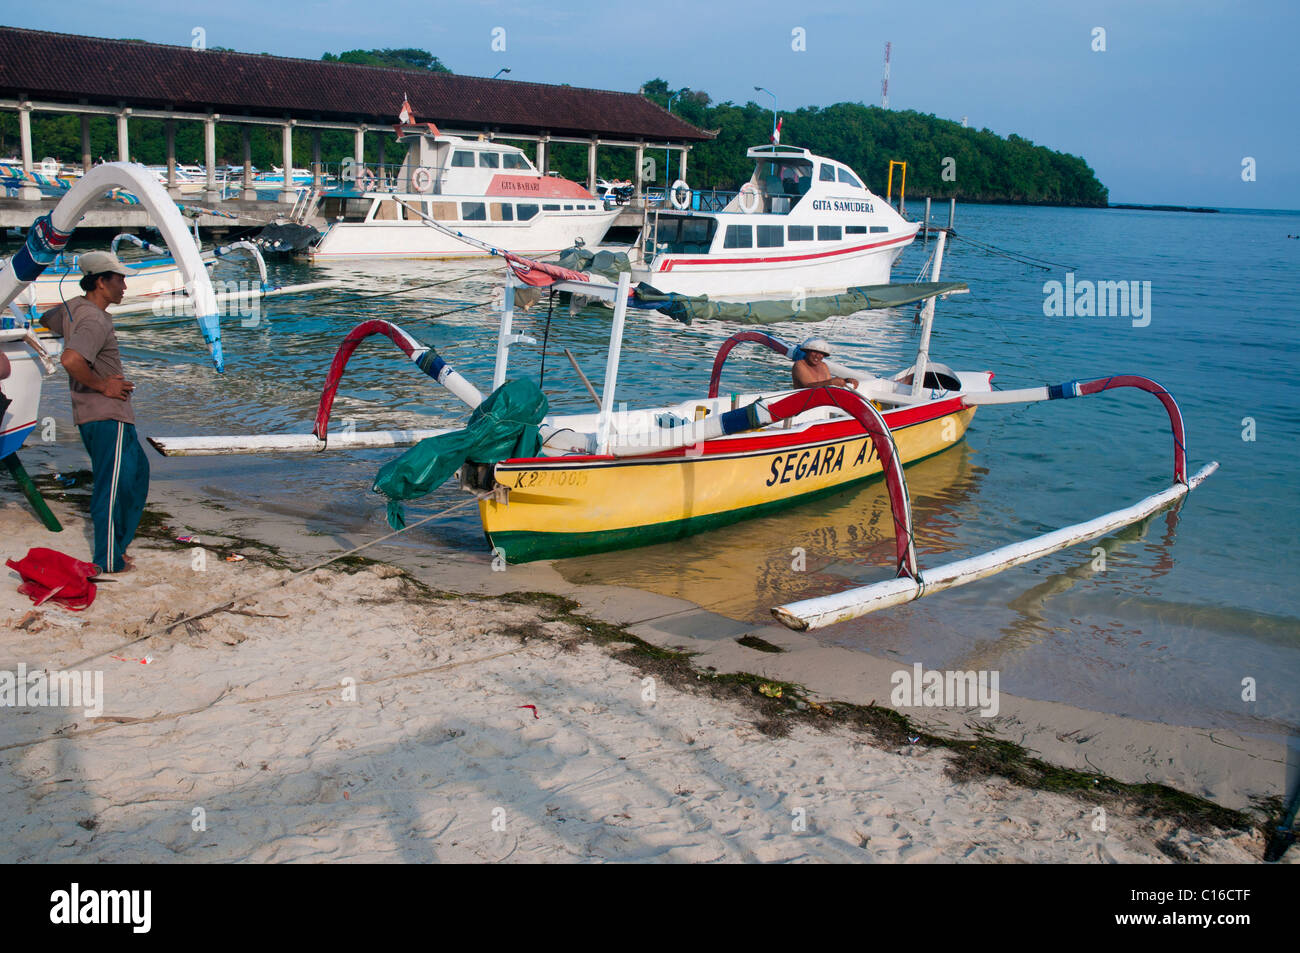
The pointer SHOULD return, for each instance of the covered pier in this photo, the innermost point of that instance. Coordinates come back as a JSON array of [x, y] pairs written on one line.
[[126, 81]]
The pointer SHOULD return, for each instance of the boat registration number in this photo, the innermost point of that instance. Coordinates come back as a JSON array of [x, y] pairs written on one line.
[[529, 478]]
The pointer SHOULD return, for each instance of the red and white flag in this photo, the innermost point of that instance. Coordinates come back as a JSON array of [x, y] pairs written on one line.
[[407, 116], [776, 133]]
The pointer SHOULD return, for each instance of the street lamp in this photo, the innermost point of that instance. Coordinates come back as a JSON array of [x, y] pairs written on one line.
[[760, 89], [668, 153], [504, 69]]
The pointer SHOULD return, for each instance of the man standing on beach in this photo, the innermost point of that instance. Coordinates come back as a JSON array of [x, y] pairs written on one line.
[[101, 406]]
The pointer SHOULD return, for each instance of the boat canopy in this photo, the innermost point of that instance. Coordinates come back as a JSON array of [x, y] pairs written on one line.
[[688, 309]]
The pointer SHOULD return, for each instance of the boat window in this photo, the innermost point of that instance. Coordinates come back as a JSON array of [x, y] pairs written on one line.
[[879, 228], [502, 212], [513, 160], [847, 178], [526, 212], [568, 208], [855, 229], [477, 212], [462, 160], [800, 233], [738, 236], [347, 210], [388, 212], [444, 212], [550, 208], [828, 233], [826, 173], [489, 160], [771, 236], [682, 235]]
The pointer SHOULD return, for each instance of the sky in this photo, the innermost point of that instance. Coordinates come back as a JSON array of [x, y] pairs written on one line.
[[1187, 98]]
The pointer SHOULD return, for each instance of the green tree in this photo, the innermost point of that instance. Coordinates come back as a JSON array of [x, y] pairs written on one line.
[[987, 167], [410, 59]]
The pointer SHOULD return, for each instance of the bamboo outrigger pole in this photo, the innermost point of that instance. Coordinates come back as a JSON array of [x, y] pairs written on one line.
[[827, 610]]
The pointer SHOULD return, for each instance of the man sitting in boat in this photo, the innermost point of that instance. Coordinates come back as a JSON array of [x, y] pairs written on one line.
[[811, 371]]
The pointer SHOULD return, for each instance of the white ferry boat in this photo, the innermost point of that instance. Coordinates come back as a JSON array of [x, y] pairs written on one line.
[[488, 191], [802, 224]]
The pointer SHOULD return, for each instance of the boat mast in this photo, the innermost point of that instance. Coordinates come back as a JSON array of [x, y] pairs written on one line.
[[504, 336], [611, 363], [927, 321]]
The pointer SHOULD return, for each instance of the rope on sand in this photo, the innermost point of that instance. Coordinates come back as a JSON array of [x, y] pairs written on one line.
[[276, 585]]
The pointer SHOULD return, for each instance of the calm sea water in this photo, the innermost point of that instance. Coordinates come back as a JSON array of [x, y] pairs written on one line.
[[1188, 605]]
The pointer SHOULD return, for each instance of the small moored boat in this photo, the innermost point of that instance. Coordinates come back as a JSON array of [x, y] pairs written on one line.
[[457, 198], [803, 224]]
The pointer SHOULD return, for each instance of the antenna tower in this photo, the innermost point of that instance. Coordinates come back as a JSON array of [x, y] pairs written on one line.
[[884, 83]]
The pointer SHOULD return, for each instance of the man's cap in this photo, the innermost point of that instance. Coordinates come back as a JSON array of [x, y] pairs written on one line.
[[816, 344], [100, 262]]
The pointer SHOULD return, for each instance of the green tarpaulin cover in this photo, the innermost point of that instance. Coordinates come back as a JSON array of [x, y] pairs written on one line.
[[605, 264], [769, 311], [502, 427]]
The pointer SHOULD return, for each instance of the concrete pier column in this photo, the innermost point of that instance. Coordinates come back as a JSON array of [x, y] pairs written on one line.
[[123, 141], [359, 149], [169, 135], [681, 173], [542, 157], [248, 193], [381, 173], [28, 193], [639, 162], [212, 191], [85, 143], [288, 192], [591, 167], [315, 159]]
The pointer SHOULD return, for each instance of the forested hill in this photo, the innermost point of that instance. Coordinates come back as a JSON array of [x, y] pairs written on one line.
[[985, 167]]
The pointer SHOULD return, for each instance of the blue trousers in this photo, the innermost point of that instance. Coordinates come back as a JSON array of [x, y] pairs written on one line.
[[121, 486]]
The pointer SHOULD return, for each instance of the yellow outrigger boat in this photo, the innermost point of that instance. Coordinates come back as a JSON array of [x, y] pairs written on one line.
[[586, 483]]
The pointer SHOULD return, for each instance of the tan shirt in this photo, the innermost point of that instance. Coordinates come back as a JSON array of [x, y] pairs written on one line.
[[88, 330]]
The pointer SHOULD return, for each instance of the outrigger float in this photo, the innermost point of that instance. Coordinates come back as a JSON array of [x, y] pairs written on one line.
[[621, 478]]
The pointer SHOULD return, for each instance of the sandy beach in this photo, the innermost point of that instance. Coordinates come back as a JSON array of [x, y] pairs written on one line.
[[366, 712]]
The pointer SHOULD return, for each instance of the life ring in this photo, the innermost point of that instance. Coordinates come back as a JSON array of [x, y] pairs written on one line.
[[750, 207], [366, 181], [680, 195], [422, 179]]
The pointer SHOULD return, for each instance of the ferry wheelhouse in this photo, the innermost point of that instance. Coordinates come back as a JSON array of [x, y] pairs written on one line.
[[487, 191], [802, 224]]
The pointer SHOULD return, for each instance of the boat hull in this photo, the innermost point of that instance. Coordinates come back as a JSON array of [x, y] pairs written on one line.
[[145, 281], [548, 232], [23, 388], [784, 272], [571, 506]]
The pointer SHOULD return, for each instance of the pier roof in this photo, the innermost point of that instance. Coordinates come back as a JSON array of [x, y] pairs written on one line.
[[61, 67]]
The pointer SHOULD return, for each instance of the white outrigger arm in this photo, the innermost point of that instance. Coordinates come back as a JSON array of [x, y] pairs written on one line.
[[221, 251], [913, 584], [49, 235]]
